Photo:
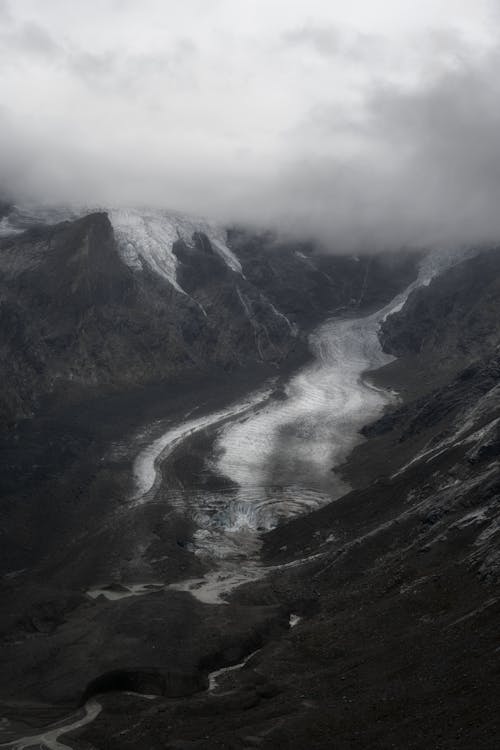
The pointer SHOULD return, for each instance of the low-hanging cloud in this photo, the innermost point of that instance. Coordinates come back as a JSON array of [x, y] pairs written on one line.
[[362, 137], [425, 167]]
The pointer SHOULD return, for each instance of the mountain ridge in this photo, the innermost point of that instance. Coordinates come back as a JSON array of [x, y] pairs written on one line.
[[77, 314]]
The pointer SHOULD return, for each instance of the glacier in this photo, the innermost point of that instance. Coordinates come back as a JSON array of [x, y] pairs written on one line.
[[147, 238]]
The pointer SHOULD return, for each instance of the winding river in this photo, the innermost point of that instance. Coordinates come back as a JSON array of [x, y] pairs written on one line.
[[49, 737]]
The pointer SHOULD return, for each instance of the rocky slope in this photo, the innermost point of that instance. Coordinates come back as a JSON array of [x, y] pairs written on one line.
[[91, 304], [409, 583], [309, 283], [451, 324], [75, 317]]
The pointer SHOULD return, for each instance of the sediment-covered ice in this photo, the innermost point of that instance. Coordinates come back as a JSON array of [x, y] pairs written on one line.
[[146, 469]]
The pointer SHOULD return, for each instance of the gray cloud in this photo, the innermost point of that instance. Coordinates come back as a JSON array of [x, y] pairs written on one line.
[[326, 41], [28, 39], [5, 11], [330, 42], [362, 138], [424, 168]]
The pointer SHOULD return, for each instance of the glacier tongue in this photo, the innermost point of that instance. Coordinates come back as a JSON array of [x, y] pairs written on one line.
[[148, 237]]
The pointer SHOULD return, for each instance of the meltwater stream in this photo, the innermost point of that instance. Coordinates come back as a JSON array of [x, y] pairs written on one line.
[[50, 736]]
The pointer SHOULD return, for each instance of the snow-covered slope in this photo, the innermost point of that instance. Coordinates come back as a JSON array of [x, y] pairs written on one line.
[[146, 238]]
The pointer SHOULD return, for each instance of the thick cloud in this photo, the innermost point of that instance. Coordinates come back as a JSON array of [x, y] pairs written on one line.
[[422, 167], [371, 125]]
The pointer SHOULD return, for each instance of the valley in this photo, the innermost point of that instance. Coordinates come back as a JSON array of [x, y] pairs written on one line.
[[317, 529]]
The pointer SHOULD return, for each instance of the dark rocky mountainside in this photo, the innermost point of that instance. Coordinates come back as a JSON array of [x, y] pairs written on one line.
[[405, 647], [450, 324], [396, 607], [309, 284], [76, 320]]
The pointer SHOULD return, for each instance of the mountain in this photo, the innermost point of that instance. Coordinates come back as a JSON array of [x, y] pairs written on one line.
[[371, 621], [77, 314], [109, 302]]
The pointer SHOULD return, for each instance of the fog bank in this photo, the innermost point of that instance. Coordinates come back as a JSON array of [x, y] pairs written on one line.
[[371, 126]]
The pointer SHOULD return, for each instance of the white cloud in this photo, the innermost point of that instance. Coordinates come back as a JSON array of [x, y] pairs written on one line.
[[322, 115]]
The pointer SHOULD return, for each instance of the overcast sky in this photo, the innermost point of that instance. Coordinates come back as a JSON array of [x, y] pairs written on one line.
[[367, 122]]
